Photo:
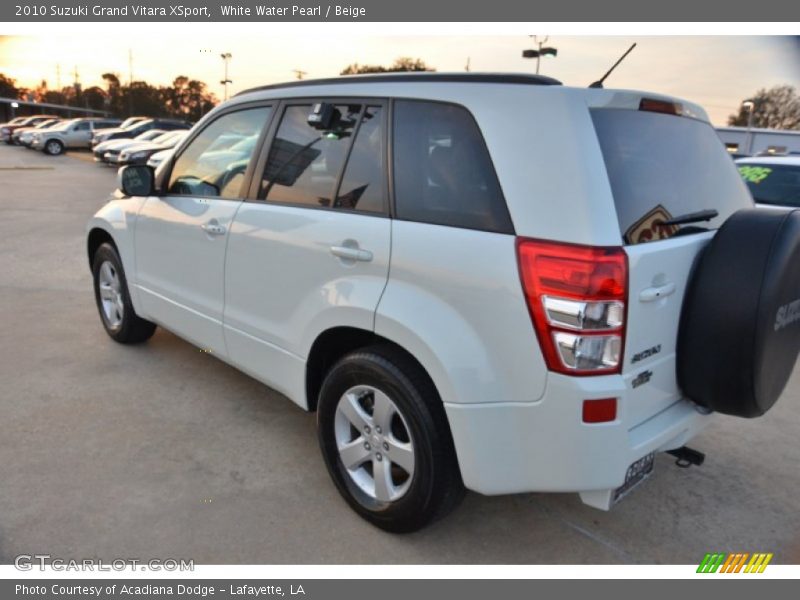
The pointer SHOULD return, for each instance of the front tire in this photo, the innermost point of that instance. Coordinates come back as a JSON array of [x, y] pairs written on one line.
[[386, 442], [113, 300], [54, 147]]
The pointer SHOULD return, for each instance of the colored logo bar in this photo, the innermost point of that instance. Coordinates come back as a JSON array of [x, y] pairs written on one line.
[[734, 563]]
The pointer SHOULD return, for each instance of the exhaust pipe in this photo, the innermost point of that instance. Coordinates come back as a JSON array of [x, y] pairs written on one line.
[[687, 457]]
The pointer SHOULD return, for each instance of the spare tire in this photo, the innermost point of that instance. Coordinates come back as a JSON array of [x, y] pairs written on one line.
[[740, 327]]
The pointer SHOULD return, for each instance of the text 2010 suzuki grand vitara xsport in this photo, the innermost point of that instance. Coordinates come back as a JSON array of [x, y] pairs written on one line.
[[484, 281]]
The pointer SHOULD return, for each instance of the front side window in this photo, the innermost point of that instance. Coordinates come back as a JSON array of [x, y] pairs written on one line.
[[442, 170], [202, 170], [304, 161], [83, 126]]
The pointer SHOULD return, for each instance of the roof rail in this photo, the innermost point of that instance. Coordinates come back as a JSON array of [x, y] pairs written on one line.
[[427, 77]]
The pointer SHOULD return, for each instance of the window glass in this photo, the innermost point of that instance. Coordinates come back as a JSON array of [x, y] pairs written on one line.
[[362, 185], [442, 170], [83, 126], [202, 170], [777, 184], [304, 163], [664, 166]]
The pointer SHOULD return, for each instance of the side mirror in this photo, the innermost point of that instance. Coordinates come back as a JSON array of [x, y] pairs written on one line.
[[136, 180]]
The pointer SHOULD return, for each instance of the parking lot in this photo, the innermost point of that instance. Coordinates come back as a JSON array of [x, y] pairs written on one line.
[[163, 451]]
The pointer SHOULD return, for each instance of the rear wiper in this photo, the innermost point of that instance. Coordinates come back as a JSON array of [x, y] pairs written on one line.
[[695, 217]]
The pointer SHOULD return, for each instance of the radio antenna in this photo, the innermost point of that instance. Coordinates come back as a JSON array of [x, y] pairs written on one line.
[[599, 82]]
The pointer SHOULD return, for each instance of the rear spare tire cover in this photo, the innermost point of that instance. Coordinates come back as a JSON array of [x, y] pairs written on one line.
[[740, 327]]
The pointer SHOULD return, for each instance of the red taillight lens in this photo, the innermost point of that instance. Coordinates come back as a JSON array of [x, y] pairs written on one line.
[[600, 411], [660, 106], [576, 296]]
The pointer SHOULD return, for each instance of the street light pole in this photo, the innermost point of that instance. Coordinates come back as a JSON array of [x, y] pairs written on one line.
[[226, 57], [751, 109], [541, 51]]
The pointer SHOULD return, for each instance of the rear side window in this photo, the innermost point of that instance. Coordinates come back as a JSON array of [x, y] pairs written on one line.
[[663, 166], [442, 170], [341, 167], [773, 184]]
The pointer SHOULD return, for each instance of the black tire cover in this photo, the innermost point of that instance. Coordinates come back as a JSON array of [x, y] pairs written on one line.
[[740, 327]]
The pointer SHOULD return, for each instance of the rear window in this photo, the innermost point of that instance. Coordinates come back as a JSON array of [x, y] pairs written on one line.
[[663, 166], [773, 184]]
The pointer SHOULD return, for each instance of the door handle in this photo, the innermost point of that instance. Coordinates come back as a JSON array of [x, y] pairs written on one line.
[[654, 293], [213, 228], [350, 253]]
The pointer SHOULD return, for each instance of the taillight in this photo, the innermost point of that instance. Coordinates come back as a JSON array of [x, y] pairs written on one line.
[[577, 298]]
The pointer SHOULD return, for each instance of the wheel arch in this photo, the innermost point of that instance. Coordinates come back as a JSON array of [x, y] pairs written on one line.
[[332, 344], [96, 237]]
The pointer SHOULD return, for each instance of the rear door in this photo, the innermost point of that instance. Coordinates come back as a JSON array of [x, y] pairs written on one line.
[[180, 237], [662, 166], [311, 250]]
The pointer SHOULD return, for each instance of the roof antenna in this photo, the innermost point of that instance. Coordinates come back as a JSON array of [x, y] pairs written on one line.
[[599, 82]]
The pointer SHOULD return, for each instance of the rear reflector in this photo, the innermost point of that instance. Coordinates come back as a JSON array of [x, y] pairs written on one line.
[[599, 411], [660, 106], [576, 296]]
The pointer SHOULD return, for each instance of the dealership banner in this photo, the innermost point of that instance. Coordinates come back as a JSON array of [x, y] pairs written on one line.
[[404, 11]]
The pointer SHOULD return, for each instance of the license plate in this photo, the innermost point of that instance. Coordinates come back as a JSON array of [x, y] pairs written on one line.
[[637, 473]]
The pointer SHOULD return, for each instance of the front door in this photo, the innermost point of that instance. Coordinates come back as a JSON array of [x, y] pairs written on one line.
[[181, 237]]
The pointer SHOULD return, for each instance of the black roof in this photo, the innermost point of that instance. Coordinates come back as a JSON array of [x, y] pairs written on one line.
[[515, 78]]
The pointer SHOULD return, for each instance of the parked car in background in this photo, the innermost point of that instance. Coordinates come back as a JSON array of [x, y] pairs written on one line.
[[140, 127], [76, 133], [23, 135], [127, 123], [510, 285], [159, 157], [774, 181], [100, 149], [140, 152], [7, 130]]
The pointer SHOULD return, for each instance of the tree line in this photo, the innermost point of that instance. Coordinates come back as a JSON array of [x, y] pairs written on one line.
[[185, 98]]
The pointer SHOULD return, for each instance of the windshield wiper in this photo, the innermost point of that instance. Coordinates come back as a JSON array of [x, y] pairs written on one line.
[[695, 217]]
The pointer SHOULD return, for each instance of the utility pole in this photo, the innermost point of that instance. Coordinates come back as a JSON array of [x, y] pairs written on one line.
[[300, 74], [130, 66], [466, 68], [226, 58], [58, 77]]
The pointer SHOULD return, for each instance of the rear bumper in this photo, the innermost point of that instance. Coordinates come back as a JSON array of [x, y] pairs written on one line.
[[544, 446]]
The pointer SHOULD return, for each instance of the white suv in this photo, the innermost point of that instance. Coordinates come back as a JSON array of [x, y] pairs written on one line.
[[484, 281]]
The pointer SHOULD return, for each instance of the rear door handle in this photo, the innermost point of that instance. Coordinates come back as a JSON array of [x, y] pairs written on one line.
[[213, 228], [350, 253], [654, 293]]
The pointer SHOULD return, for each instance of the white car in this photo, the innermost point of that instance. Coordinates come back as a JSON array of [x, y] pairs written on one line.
[[479, 281], [75, 133], [774, 181]]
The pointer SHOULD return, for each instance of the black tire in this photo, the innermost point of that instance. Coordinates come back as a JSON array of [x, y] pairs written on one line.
[[740, 329], [131, 329], [436, 486], [54, 147]]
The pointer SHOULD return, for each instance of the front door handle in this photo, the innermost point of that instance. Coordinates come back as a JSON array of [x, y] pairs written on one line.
[[654, 293], [351, 253], [213, 228]]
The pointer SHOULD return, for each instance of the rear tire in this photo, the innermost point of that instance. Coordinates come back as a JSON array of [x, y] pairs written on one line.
[[53, 147], [380, 412], [113, 300]]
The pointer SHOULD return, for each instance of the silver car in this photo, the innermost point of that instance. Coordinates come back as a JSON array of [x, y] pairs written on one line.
[[76, 133]]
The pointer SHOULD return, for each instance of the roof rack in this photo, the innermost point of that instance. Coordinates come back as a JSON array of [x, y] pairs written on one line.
[[428, 77]]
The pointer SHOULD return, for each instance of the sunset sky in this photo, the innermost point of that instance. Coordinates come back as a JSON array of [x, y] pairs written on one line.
[[718, 72]]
